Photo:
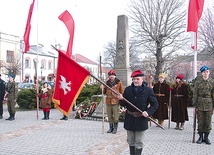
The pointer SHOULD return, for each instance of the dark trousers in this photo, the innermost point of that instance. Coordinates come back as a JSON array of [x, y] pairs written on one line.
[[1, 107]]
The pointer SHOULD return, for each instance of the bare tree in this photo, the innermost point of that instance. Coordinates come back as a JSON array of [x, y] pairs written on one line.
[[206, 29], [12, 68], [110, 55], [159, 28]]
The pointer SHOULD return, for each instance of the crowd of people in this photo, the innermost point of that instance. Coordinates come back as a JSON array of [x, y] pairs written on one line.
[[141, 101]]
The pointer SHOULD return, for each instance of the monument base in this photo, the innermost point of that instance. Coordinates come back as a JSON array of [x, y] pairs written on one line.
[[124, 75]]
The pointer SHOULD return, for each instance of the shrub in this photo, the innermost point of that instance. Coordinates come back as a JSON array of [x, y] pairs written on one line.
[[87, 92], [27, 99]]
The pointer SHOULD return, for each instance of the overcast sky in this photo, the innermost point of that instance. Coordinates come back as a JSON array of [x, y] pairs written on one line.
[[95, 22]]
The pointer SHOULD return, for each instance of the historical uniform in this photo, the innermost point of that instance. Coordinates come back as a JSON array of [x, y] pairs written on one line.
[[203, 100], [161, 90], [180, 100], [112, 105], [45, 99], [2, 93], [136, 123], [11, 91]]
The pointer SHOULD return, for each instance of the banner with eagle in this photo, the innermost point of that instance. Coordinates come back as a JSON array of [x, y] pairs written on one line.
[[70, 79]]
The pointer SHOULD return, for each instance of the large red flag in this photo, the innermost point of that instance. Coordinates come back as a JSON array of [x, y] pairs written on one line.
[[69, 23], [70, 80], [28, 27], [194, 14]]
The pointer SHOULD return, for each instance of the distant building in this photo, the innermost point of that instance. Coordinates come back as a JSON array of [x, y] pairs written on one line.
[[11, 51]]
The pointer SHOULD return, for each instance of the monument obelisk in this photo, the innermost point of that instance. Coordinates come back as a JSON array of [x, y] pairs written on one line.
[[122, 51]]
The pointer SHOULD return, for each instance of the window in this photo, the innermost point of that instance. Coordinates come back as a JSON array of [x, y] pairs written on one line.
[[27, 63], [49, 64], [43, 66], [10, 56]]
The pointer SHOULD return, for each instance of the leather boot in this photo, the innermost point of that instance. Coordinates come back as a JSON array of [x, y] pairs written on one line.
[[115, 128], [132, 150], [200, 139], [8, 118], [48, 113], [206, 140], [12, 117], [64, 118], [182, 126], [45, 115], [110, 128], [177, 126], [138, 151]]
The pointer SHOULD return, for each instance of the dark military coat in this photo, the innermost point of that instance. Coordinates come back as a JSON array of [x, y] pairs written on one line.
[[2, 89], [161, 91], [12, 89], [141, 100], [180, 100]]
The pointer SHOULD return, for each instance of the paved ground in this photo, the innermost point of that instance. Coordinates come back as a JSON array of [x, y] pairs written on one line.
[[27, 135]]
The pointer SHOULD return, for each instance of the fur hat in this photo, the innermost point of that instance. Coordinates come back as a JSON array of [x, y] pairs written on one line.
[[137, 73], [161, 75]]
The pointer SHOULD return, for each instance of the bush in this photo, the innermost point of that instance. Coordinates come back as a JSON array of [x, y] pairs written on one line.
[[87, 92], [27, 99]]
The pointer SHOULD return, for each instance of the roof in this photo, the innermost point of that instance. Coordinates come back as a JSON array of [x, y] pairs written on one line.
[[81, 58]]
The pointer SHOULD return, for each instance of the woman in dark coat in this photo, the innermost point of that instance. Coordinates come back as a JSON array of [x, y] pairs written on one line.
[[161, 90], [45, 99], [180, 99]]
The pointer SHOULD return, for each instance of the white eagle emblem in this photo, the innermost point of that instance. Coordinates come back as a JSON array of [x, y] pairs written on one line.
[[65, 85]]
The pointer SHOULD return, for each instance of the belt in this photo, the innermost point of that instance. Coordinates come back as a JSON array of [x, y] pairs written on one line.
[[160, 95], [204, 96], [135, 114], [178, 95]]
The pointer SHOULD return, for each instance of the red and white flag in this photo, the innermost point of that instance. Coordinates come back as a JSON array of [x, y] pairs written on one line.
[[28, 28], [194, 14], [70, 80], [69, 23]]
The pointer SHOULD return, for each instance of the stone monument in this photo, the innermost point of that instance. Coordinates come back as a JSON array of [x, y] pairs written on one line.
[[122, 67], [122, 59]]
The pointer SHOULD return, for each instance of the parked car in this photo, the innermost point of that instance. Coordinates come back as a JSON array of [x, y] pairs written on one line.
[[26, 86]]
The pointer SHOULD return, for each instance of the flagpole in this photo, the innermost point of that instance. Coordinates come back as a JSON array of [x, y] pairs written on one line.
[[37, 85], [102, 97], [195, 54]]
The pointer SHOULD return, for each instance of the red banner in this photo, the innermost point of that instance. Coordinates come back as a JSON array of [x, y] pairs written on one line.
[[27, 29], [70, 80], [69, 23], [194, 14]]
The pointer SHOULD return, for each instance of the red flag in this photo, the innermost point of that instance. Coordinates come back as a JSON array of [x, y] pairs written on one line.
[[70, 80], [69, 23], [194, 14], [28, 27]]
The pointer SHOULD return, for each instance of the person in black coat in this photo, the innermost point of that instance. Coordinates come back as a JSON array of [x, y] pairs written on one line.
[[2, 93], [136, 123]]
